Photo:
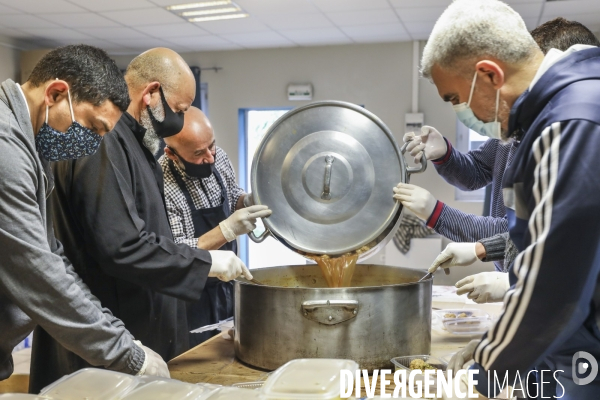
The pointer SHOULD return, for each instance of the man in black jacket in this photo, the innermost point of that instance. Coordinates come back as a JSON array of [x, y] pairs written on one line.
[[110, 214]]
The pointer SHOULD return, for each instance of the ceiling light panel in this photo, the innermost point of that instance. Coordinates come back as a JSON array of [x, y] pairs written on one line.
[[212, 11], [217, 17], [208, 11], [189, 6]]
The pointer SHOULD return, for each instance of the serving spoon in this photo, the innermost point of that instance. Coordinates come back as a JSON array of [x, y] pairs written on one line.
[[430, 274]]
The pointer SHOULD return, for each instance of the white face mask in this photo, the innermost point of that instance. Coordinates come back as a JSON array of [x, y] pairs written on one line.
[[467, 117]]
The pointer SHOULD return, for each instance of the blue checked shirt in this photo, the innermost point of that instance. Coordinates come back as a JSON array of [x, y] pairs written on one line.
[[471, 171]]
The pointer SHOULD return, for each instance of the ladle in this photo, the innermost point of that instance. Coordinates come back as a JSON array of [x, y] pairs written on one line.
[[429, 275]]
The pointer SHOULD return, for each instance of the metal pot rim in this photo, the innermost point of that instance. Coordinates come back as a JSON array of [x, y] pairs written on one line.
[[244, 282]]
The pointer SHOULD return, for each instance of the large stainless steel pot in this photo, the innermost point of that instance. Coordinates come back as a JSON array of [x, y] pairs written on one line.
[[386, 314], [327, 170]]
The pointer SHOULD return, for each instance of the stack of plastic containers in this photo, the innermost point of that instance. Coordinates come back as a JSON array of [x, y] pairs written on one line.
[[303, 379], [99, 384], [91, 383]]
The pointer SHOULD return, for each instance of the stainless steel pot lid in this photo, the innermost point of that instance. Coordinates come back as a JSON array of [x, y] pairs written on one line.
[[327, 171]]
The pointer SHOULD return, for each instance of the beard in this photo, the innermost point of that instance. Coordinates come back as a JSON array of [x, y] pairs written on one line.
[[151, 139]]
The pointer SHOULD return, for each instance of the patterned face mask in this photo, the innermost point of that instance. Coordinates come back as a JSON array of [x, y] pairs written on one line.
[[78, 141]]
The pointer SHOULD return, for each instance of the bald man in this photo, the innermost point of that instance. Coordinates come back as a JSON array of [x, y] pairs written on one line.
[[111, 218], [206, 209]]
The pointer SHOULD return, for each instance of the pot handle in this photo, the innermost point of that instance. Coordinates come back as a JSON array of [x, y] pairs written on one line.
[[261, 238], [330, 312], [414, 170], [327, 183]]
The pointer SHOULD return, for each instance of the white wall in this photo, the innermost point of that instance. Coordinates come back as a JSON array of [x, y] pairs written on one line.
[[29, 59], [377, 76], [9, 61]]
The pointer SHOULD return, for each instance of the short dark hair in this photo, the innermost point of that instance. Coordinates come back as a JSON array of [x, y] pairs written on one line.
[[91, 74], [561, 34]]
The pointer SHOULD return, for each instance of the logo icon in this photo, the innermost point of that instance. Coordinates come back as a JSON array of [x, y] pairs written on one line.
[[589, 366]]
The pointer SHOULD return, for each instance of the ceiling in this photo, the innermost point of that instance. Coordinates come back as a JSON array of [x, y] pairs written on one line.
[[130, 26]]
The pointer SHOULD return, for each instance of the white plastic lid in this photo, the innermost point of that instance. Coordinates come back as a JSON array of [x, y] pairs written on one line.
[[22, 396], [91, 384], [309, 378], [168, 389], [232, 393]]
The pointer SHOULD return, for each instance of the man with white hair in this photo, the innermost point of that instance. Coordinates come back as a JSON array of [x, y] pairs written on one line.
[[474, 170], [550, 105]]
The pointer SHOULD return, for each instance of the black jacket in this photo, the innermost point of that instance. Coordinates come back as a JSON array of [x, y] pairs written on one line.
[[110, 216]]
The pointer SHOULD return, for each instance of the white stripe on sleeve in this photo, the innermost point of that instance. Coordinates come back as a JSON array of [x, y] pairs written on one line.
[[527, 265]]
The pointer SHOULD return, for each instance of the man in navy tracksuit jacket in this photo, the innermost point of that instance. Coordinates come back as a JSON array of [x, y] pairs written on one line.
[[552, 194]]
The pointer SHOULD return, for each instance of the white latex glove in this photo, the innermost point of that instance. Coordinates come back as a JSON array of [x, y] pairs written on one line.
[[227, 266], [462, 357], [248, 200], [429, 141], [455, 255], [485, 287], [153, 365], [243, 221], [416, 199]]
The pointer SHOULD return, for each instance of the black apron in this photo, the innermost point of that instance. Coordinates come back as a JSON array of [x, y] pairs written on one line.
[[216, 302]]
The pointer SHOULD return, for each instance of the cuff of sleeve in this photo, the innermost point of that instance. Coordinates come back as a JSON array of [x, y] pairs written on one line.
[[136, 360], [142, 369], [446, 157], [494, 248], [435, 215]]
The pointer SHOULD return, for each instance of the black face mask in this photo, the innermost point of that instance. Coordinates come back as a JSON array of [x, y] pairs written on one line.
[[201, 171], [173, 122]]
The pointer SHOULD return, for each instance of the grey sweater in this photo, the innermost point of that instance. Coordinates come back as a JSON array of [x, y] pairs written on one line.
[[500, 248], [37, 283]]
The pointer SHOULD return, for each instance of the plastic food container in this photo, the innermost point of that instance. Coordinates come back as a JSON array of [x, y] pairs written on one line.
[[403, 363], [91, 384], [249, 385], [168, 389], [308, 378], [233, 393], [465, 321]]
